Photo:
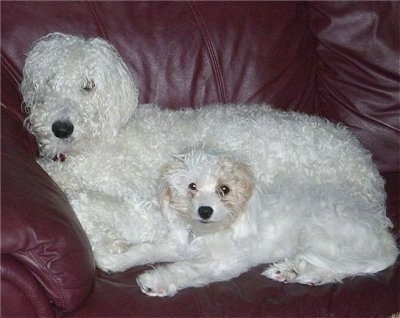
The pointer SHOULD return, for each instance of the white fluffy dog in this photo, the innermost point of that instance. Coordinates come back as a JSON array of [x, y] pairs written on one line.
[[222, 222], [82, 108]]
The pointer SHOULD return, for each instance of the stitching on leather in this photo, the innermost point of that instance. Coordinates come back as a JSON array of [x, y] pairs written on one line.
[[21, 287], [56, 285], [210, 48], [99, 20]]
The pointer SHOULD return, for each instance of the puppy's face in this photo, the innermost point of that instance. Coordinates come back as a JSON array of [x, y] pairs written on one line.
[[207, 191]]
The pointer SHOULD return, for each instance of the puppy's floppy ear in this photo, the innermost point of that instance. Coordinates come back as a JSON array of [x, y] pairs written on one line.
[[247, 179], [164, 193], [167, 178], [241, 175]]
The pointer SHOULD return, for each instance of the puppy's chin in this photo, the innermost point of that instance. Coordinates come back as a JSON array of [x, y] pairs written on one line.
[[204, 228]]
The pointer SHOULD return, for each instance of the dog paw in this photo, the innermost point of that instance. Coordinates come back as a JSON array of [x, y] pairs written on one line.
[[117, 246], [309, 280], [104, 262], [153, 283], [318, 276], [281, 272], [111, 263]]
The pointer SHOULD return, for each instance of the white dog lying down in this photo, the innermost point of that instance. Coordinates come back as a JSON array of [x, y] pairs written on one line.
[[82, 106], [221, 223]]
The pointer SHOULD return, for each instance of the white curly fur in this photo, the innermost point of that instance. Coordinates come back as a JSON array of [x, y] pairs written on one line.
[[115, 149]]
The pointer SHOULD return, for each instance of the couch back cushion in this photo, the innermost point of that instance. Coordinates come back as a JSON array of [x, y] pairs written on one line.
[[335, 59]]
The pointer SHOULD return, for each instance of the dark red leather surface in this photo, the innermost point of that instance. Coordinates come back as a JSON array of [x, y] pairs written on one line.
[[250, 295], [187, 54], [338, 59], [359, 72], [21, 293], [38, 227]]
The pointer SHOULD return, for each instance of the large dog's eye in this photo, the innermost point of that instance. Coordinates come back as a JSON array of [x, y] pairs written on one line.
[[192, 186], [88, 85], [224, 189]]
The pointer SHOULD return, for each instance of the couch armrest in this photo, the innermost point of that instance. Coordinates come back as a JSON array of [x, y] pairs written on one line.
[[21, 293], [39, 228]]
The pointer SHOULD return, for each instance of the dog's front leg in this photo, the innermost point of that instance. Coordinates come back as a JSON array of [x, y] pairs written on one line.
[[141, 254], [169, 279]]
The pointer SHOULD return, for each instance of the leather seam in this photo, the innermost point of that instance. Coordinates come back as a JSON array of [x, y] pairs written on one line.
[[211, 51], [42, 278], [99, 20], [18, 287]]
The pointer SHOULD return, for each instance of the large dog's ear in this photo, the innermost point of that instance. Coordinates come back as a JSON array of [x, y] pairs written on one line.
[[120, 94], [37, 66]]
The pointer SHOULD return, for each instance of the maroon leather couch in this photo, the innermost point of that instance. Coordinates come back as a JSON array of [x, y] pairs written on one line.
[[336, 59]]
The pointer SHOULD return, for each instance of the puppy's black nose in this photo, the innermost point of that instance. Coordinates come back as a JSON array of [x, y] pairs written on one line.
[[205, 212], [62, 129]]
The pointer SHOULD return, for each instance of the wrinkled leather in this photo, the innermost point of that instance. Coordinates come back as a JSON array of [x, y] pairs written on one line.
[[359, 72], [336, 59]]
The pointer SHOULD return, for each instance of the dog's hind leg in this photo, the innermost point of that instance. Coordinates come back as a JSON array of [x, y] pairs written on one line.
[[313, 269], [299, 270], [342, 235]]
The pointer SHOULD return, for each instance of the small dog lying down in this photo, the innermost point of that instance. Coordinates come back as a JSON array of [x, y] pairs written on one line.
[[221, 223]]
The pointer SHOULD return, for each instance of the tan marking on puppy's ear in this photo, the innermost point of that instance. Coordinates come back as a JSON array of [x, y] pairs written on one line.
[[164, 193], [242, 177], [246, 179]]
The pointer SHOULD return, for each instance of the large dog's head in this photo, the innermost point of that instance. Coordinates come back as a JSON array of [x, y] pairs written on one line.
[[208, 191], [74, 91]]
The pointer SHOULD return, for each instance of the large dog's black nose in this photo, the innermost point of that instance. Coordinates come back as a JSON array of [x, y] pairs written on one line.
[[62, 129], [205, 212]]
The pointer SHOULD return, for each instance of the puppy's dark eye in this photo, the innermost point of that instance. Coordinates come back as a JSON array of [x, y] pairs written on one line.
[[88, 85], [192, 186], [224, 189]]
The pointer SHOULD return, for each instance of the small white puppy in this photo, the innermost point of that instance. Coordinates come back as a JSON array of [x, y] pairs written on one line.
[[221, 223]]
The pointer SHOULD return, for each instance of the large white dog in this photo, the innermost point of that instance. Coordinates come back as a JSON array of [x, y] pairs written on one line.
[[222, 222], [82, 108]]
